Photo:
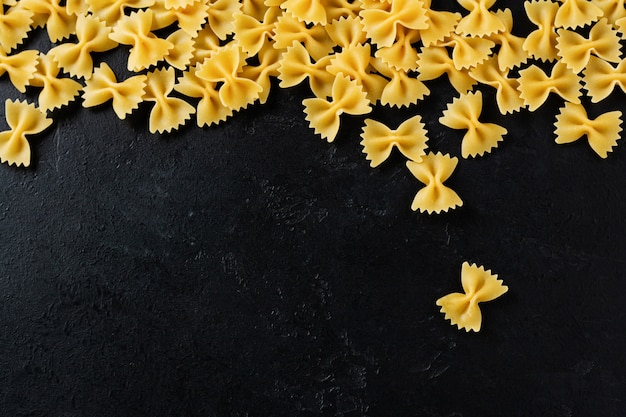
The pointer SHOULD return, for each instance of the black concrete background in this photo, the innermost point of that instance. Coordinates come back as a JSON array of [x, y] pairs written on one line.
[[252, 269]]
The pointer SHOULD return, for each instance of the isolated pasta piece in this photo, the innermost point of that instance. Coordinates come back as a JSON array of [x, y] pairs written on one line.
[[289, 31], [541, 43], [434, 61], [602, 132], [401, 55], [535, 86], [23, 119], [463, 113], [480, 21], [20, 67], [575, 49], [576, 13], [601, 78], [354, 62], [296, 66], [168, 113], [147, 49], [511, 52], [433, 170], [507, 94], [309, 11], [14, 27], [440, 24], [382, 25], [210, 109], [224, 66], [93, 36], [468, 51], [58, 22], [479, 285], [111, 11], [56, 92], [324, 116], [379, 140], [103, 86], [252, 33]]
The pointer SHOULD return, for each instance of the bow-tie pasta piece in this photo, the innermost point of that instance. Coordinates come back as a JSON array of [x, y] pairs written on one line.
[[168, 113], [602, 133], [110, 11], [463, 114], [440, 24], [402, 89], [146, 48], [600, 78], [507, 94], [221, 17], [93, 36], [210, 109], [480, 285], [379, 140], [23, 119], [309, 11], [467, 51], [480, 21], [434, 61], [535, 86], [295, 66], [251, 33], [56, 92], [225, 66], [103, 86], [324, 116], [401, 55], [541, 43], [347, 31], [289, 31], [511, 52], [433, 170], [189, 18], [181, 54], [261, 74], [612, 10], [20, 67], [575, 50], [204, 44], [53, 16], [176, 4], [576, 13], [355, 62], [381, 24], [14, 27]]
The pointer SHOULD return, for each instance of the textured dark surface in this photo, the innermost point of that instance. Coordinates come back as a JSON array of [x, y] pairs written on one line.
[[253, 269]]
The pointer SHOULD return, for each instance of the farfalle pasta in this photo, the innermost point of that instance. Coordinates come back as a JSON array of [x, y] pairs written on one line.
[[14, 27], [602, 133], [168, 113], [381, 25], [354, 62], [479, 285], [409, 138], [541, 43], [434, 61], [110, 11], [433, 170], [479, 22], [463, 113], [59, 24], [23, 119], [289, 31], [20, 67], [55, 92], [295, 66], [511, 51], [507, 92], [252, 33], [576, 13], [601, 78], [535, 85], [440, 24], [468, 51]]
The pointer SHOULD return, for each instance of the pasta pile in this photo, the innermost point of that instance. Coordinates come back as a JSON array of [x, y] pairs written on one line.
[[213, 58]]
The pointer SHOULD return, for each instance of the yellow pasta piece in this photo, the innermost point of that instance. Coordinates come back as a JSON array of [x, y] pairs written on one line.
[[111, 11], [103, 86], [23, 119], [76, 7], [463, 113], [58, 22], [189, 18], [507, 95], [511, 53], [354, 62], [440, 24], [177, 4], [402, 89], [382, 25], [576, 13], [602, 133], [467, 51], [479, 285], [221, 16], [601, 78], [535, 86], [541, 43], [480, 21], [168, 113], [56, 92], [575, 49], [210, 109], [433, 170], [379, 140], [204, 44], [252, 34], [347, 97], [224, 66], [181, 55], [14, 27], [93, 36], [289, 30], [309, 11], [260, 74], [401, 55], [338, 9], [147, 49], [345, 31], [295, 66], [21, 67], [434, 61], [612, 10]]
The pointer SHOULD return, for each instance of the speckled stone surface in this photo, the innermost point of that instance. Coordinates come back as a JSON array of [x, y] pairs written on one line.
[[252, 269]]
